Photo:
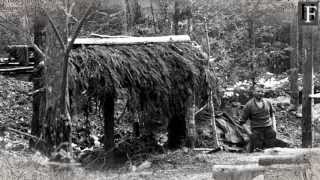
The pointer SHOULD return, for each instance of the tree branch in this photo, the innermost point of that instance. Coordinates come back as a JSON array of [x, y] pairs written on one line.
[[66, 58], [37, 49], [76, 33], [23, 133], [55, 29]]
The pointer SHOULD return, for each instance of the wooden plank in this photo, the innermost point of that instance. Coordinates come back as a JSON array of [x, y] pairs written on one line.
[[16, 69], [283, 159], [317, 95], [256, 172], [107, 36], [132, 40]]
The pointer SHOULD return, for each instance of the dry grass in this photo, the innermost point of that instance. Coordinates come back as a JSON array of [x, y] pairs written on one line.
[[26, 166]]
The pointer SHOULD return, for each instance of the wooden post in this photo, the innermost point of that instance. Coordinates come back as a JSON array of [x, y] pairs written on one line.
[[211, 104], [190, 120], [136, 123], [108, 115], [307, 105]]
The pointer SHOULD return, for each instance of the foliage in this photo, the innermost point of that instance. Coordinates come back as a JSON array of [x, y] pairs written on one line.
[[235, 57]]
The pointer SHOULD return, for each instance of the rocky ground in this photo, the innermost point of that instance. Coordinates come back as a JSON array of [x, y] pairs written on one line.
[[19, 162]]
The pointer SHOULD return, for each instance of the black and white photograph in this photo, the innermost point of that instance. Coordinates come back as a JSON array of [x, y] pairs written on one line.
[[159, 90]]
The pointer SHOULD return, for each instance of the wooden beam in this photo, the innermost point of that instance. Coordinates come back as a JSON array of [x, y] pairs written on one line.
[[132, 40], [20, 69], [284, 159], [94, 35]]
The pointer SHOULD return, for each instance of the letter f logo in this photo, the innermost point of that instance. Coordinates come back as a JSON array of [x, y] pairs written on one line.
[[311, 13], [308, 13]]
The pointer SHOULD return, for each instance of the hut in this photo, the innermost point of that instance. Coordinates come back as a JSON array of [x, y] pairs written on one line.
[[163, 73]]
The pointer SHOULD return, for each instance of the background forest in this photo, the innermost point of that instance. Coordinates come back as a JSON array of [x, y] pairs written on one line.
[[246, 37]]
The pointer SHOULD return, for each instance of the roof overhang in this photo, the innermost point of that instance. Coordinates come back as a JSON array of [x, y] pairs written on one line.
[[129, 40]]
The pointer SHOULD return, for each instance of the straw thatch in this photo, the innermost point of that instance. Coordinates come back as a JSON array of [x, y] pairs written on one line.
[[164, 74], [160, 77]]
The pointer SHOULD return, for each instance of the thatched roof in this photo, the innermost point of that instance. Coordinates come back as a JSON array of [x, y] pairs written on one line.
[[165, 73]]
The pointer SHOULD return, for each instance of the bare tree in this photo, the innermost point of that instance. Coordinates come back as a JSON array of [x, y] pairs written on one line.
[[64, 119], [38, 103]]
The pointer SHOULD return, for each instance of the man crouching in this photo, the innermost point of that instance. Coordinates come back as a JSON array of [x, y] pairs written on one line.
[[262, 121]]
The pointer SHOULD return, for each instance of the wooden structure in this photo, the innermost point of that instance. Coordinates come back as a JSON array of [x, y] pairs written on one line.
[[161, 72], [308, 89], [20, 53], [20, 60]]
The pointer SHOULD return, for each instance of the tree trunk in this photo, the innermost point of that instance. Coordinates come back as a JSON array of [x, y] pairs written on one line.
[[176, 18], [300, 49], [252, 54], [153, 18], [136, 13], [38, 78], [210, 100], [128, 25], [108, 114], [294, 41]]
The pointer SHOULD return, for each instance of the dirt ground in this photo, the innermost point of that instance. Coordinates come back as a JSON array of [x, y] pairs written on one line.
[[180, 164]]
